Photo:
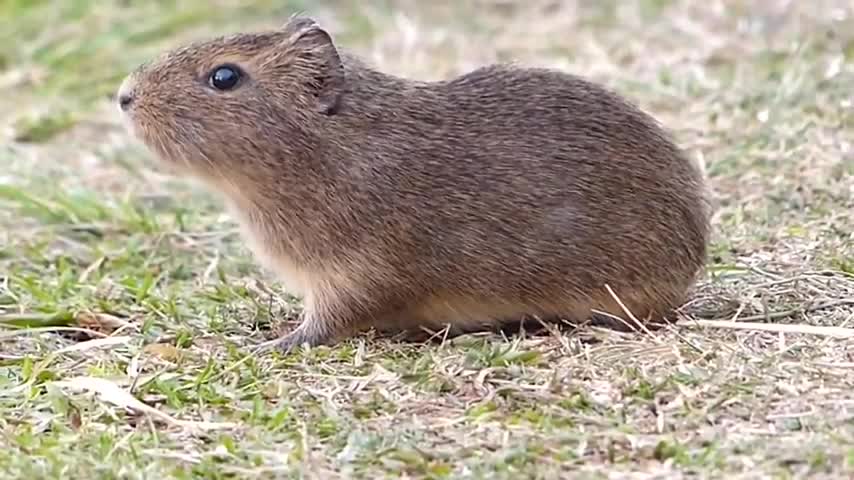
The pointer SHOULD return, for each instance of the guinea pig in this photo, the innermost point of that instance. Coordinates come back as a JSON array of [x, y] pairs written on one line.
[[503, 193]]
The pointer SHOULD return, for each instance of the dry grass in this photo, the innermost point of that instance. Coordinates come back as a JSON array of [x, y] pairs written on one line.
[[143, 307]]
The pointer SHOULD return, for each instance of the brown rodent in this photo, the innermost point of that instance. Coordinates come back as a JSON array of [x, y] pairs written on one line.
[[501, 194]]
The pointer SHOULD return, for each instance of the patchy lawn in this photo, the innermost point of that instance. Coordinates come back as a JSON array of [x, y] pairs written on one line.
[[135, 286]]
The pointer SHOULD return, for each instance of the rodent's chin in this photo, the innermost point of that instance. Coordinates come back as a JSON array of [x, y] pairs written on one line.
[[168, 166], [128, 124]]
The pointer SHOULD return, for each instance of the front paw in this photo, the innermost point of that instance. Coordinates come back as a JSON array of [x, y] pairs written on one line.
[[312, 331], [305, 334], [284, 344], [291, 341]]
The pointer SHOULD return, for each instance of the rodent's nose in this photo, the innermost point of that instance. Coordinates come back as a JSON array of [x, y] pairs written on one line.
[[125, 95], [125, 101]]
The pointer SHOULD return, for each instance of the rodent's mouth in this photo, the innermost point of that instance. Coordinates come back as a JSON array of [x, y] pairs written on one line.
[[152, 143], [129, 125], [170, 155]]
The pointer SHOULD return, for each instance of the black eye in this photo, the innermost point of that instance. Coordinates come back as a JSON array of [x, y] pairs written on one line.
[[225, 77]]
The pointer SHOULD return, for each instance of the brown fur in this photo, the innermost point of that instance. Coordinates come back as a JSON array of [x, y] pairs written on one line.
[[504, 193]]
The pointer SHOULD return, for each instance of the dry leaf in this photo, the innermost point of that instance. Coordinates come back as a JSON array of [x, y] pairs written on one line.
[[165, 351], [112, 393], [100, 322], [96, 343], [74, 418]]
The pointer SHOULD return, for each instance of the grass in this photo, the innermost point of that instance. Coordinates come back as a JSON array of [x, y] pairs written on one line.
[[119, 285]]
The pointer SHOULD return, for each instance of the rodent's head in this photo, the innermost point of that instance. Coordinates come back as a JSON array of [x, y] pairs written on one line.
[[219, 105]]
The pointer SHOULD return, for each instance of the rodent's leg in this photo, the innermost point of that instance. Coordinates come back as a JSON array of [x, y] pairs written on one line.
[[312, 330], [329, 316]]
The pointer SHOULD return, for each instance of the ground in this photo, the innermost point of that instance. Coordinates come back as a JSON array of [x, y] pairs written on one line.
[[130, 307]]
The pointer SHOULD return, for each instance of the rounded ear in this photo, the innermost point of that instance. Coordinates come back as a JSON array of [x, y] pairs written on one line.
[[297, 23], [310, 42]]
